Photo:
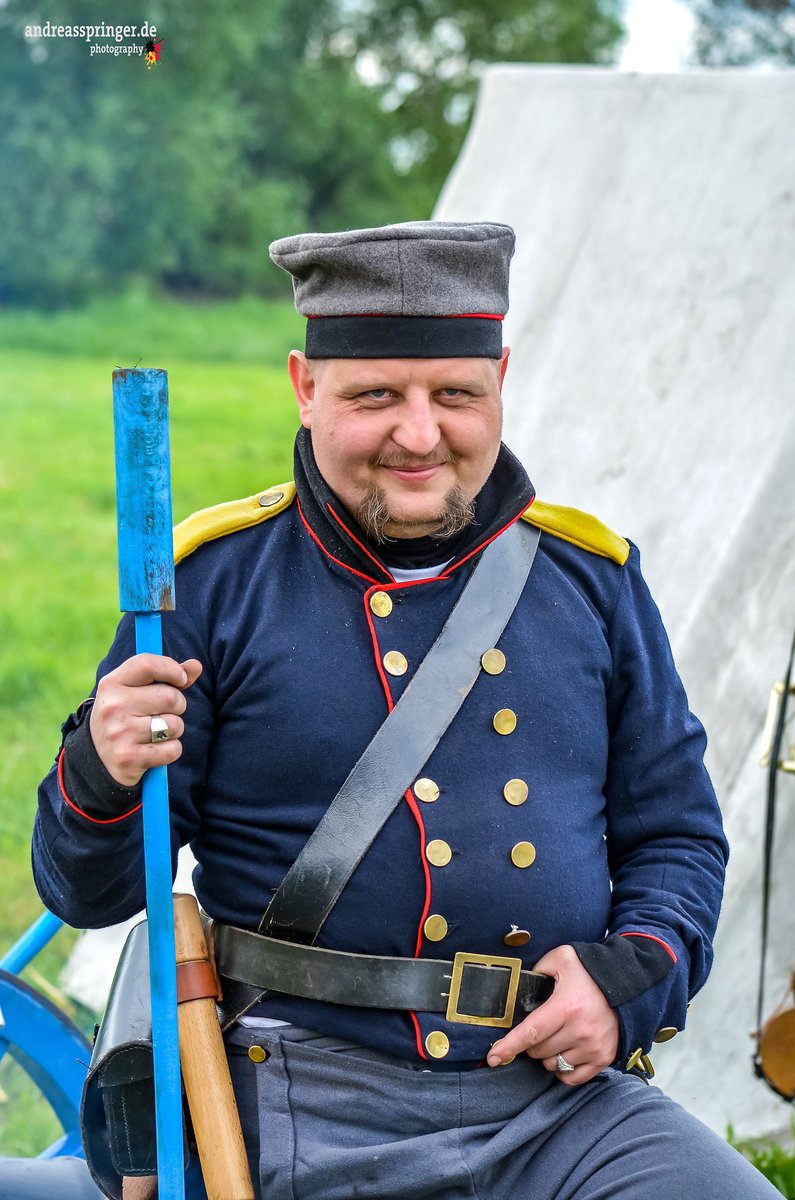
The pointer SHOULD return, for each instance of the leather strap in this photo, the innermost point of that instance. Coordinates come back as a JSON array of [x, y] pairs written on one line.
[[405, 741], [373, 981], [197, 980], [770, 825]]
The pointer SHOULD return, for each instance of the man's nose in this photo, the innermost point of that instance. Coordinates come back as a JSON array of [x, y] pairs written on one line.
[[417, 428]]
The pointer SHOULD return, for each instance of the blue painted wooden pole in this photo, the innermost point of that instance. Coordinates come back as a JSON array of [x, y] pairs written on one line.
[[146, 588]]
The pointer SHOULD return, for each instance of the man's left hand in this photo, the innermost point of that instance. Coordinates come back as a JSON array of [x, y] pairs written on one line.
[[576, 1022]]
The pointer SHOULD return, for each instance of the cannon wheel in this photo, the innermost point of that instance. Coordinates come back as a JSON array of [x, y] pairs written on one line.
[[51, 1050]]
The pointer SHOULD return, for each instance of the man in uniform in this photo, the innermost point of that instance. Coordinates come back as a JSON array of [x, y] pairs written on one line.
[[560, 820]]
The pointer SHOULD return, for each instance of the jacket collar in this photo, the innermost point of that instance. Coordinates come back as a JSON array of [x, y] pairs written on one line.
[[502, 499]]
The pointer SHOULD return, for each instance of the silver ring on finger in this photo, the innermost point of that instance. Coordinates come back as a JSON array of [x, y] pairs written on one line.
[[158, 730], [565, 1068]]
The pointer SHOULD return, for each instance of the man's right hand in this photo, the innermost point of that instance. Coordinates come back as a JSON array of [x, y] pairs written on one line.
[[145, 686]]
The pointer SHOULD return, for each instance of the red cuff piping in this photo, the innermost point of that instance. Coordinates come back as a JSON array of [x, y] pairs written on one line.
[[652, 938], [71, 803]]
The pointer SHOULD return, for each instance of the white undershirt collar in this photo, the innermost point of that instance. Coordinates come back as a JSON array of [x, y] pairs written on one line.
[[404, 574]]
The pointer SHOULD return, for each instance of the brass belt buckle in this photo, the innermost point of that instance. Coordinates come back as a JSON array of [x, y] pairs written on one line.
[[514, 965]]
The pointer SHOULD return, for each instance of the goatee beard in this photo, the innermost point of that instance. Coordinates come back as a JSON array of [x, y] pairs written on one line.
[[373, 515]]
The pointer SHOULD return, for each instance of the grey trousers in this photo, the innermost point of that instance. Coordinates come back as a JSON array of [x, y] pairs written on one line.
[[328, 1120]]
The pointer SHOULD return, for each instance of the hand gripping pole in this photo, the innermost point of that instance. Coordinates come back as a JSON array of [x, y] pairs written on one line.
[[146, 588]]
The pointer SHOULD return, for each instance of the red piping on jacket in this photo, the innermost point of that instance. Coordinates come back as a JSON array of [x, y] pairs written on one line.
[[483, 545], [361, 546], [71, 803], [408, 797], [316, 539], [652, 938]]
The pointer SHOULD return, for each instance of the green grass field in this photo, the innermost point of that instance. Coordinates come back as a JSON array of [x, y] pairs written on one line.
[[233, 420]]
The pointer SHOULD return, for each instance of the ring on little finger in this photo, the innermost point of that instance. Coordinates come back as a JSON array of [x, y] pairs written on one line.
[[565, 1068], [158, 730]]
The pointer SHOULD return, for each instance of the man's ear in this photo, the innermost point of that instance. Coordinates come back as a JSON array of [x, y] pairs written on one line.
[[506, 353], [303, 383]]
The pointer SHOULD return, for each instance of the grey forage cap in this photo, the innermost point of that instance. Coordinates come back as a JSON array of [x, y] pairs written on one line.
[[359, 288]]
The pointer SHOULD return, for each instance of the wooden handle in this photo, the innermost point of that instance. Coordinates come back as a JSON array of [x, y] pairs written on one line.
[[208, 1084]]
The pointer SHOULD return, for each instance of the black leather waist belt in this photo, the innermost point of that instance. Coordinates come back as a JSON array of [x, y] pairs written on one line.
[[473, 989]]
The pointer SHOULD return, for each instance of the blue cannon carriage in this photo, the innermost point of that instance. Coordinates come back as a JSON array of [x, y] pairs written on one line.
[[55, 1054]]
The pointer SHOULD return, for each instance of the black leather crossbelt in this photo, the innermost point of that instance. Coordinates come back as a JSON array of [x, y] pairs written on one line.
[[473, 989]]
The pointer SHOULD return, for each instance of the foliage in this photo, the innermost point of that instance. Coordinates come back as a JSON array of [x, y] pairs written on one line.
[[425, 58], [742, 32], [183, 173], [776, 1162], [262, 119]]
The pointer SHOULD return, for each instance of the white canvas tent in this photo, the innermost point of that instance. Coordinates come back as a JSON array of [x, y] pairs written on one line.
[[652, 382]]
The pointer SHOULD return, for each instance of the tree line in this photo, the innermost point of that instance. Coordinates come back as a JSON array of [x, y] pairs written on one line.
[[261, 119]]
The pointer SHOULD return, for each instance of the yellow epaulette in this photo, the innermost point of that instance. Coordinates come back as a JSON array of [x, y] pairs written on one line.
[[579, 528], [210, 523]]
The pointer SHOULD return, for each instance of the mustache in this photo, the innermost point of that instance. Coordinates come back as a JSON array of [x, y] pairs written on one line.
[[408, 462]]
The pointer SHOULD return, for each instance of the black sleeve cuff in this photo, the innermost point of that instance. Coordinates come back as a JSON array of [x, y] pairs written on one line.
[[623, 967], [87, 781]]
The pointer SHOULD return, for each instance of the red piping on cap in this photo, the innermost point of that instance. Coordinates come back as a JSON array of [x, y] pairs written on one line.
[[440, 317]]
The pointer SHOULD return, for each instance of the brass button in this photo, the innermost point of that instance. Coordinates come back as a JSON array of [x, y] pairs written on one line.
[[426, 790], [268, 499], [381, 604], [435, 928], [665, 1034], [516, 937], [437, 1044], [515, 791], [523, 854], [438, 853], [645, 1062], [395, 662], [634, 1058], [505, 720], [257, 1054], [493, 662]]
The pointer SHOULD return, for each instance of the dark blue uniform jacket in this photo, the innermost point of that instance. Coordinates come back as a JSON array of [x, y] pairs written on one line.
[[619, 809]]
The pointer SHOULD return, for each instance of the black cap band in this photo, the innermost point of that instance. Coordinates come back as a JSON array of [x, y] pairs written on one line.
[[403, 337]]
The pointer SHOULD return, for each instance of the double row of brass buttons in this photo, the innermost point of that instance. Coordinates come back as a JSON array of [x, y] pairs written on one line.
[[438, 852]]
